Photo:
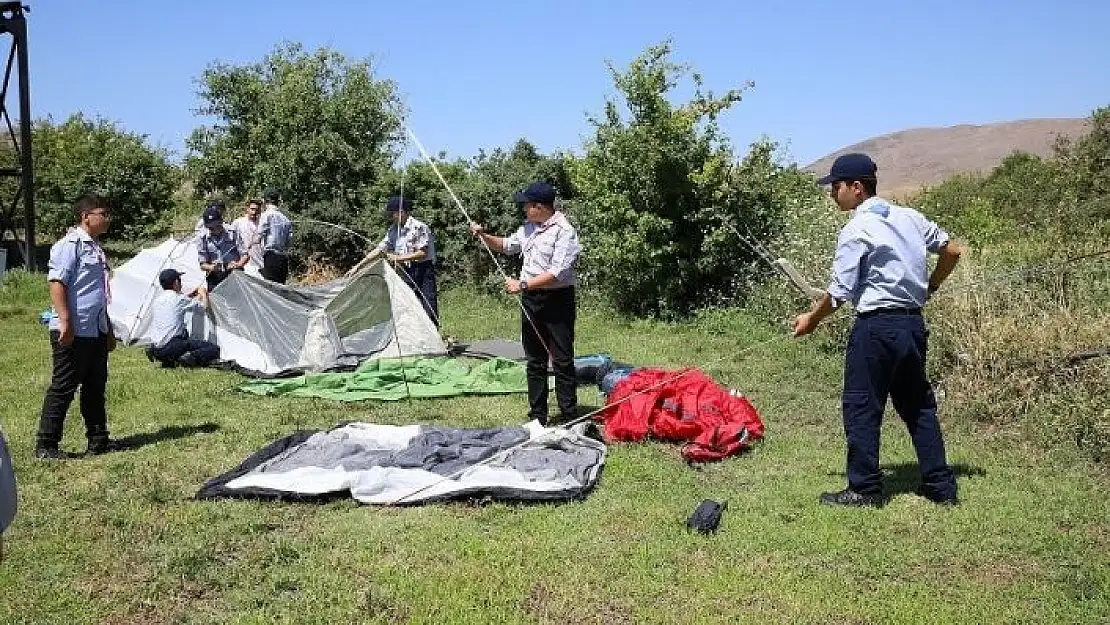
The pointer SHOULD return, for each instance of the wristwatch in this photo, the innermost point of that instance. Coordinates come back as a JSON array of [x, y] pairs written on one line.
[[523, 285]]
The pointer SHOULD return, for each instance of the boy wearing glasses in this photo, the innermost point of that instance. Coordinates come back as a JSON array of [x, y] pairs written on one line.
[[80, 332]]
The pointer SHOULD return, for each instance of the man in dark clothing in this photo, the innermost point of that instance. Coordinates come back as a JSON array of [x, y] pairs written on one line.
[[549, 246]]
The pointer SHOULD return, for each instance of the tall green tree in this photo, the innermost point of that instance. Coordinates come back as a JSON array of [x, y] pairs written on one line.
[[320, 128], [657, 185], [81, 155]]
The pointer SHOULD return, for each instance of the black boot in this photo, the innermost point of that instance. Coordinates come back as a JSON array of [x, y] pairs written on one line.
[[849, 497]]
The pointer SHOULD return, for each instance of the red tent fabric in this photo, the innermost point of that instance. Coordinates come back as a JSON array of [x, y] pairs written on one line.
[[681, 406]]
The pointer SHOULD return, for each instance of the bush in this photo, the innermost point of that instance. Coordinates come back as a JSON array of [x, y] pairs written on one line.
[[81, 155], [660, 197], [1003, 338], [318, 127]]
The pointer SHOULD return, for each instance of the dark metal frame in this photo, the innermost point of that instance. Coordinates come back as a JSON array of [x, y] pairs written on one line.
[[13, 22]]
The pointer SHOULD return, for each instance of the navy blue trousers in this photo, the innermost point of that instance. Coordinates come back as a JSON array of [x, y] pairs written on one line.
[[886, 357], [421, 278], [170, 354]]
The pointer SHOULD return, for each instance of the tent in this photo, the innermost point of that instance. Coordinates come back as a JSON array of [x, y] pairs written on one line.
[[404, 465], [8, 496], [267, 328]]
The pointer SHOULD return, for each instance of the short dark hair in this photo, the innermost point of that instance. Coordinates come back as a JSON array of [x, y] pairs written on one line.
[[869, 184], [87, 203], [254, 201]]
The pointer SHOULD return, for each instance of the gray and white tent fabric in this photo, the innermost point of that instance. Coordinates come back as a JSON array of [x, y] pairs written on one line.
[[8, 498], [270, 328], [404, 465]]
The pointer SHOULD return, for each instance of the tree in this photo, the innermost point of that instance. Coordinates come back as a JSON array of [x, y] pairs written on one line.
[[1084, 166], [81, 155], [318, 127], [657, 185]]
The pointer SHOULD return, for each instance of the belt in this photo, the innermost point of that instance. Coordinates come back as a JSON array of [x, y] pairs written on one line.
[[889, 311]]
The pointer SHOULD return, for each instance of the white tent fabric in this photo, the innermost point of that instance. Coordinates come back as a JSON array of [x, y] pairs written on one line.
[[270, 328], [392, 465]]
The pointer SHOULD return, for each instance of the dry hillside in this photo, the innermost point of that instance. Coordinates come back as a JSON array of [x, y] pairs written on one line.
[[911, 158]]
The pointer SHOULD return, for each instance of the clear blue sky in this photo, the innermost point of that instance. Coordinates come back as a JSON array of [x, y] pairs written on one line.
[[481, 74]]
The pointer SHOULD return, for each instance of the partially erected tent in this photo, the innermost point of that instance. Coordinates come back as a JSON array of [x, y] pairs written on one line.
[[269, 328]]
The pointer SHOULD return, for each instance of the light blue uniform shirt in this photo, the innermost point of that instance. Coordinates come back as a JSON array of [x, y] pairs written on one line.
[[414, 235], [275, 229], [881, 257], [167, 316], [77, 261]]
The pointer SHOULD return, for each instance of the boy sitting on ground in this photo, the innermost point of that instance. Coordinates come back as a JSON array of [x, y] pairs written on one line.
[[172, 346]]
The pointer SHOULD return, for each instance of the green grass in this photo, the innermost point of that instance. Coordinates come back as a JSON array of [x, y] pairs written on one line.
[[118, 539]]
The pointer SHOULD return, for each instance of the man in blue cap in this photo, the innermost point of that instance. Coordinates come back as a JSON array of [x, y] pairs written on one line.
[[80, 331], [411, 247], [549, 246], [880, 266], [220, 250], [171, 344]]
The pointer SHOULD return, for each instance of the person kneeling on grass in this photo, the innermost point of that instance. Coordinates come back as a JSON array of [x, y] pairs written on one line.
[[172, 345]]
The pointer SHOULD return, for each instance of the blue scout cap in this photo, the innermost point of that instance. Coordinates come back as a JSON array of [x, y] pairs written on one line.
[[853, 166]]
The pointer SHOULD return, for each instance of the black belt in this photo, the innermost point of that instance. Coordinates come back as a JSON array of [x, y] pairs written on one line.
[[889, 311]]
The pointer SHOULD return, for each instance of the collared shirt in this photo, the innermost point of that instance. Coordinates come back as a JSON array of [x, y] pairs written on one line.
[[77, 261], [167, 316], [881, 257], [249, 234], [550, 247], [412, 236], [225, 248], [275, 228]]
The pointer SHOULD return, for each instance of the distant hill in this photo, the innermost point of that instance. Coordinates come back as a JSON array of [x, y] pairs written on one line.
[[923, 156]]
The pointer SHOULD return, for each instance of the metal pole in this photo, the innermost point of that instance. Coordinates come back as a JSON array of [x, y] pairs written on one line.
[[27, 164]]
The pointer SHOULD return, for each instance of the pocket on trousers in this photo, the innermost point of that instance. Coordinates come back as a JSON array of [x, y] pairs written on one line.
[[856, 405]]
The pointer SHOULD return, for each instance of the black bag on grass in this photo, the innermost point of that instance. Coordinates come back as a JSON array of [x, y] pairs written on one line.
[[707, 516]]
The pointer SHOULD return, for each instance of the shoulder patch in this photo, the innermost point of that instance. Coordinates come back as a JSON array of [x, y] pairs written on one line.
[[881, 209]]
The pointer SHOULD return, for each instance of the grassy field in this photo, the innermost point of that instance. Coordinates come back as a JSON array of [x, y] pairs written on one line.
[[118, 539]]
